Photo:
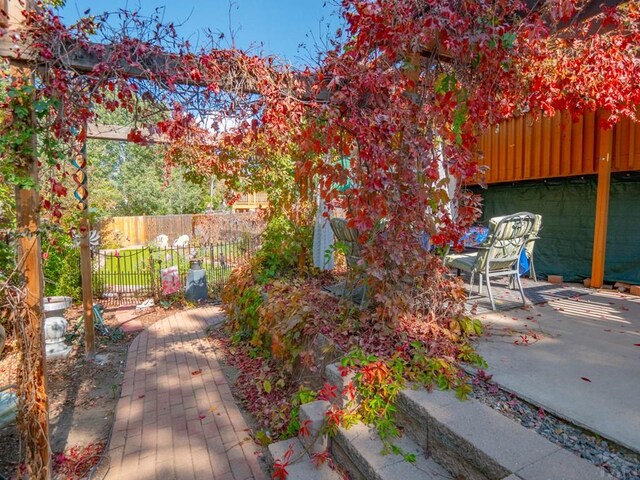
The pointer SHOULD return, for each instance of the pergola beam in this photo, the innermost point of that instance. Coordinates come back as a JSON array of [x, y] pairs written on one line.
[[120, 133]]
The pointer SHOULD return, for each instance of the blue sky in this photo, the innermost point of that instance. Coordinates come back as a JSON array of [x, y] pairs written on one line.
[[269, 26]]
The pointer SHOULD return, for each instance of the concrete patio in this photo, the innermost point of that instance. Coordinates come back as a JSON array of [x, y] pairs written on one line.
[[576, 354], [507, 298]]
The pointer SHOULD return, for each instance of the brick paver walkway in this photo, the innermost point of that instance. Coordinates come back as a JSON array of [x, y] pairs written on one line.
[[176, 417]]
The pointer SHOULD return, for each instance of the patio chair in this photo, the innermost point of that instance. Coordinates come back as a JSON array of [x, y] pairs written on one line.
[[499, 255], [182, 241], [349, 238], [530, 244]]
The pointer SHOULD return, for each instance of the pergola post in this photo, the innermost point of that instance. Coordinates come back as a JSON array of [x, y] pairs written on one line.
[[604, 151], [33, 391], [32, 321]]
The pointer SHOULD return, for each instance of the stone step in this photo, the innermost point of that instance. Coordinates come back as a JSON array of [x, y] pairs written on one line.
[[473, 441], [469, 439], [313, 415], [359, 451], [301, 466]]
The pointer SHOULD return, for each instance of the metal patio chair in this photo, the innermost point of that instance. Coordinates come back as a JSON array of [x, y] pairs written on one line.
[[530, 244], [499, 255], [348, 237]]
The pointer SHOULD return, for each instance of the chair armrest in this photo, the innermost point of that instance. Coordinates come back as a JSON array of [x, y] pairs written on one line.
[[487, 243]]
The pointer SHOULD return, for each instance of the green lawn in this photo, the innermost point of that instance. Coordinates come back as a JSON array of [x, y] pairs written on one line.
[[138, 267]]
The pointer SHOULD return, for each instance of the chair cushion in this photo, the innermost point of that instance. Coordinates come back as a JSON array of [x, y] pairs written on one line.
[[463, 261]]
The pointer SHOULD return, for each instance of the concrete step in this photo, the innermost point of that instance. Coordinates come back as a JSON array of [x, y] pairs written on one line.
[[313, 415], [359, 451], [468, 439], [473, 441], [301, 466]]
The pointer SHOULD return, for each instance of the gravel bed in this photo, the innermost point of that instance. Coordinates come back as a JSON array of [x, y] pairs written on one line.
[[616, 460]]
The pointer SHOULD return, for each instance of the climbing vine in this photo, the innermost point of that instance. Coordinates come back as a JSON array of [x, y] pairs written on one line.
[[400, 98], [29, 387]]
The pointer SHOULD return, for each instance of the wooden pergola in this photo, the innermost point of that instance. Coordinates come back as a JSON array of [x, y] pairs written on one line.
[[27, 218], [27, 201]]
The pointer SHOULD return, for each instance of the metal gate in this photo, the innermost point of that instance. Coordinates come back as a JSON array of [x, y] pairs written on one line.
[[134, 274]]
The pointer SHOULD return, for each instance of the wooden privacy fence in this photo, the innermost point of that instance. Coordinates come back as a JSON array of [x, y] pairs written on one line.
[[143, 230], [527, 149], [125, 275]]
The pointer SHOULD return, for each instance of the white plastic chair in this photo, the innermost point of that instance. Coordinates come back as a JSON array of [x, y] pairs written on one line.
[[181, 241]]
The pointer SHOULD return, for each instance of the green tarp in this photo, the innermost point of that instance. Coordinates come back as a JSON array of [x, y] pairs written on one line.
[[567, 207]]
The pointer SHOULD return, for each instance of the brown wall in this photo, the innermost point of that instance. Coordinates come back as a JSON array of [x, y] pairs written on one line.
[[552, 147]]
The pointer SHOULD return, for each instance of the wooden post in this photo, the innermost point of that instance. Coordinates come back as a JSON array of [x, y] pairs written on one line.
[[34, 393], [32, 390], [604, 149], [82, 194], [87, 291]]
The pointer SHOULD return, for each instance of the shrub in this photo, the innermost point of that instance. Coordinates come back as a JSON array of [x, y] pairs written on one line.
[[283, 243], [62, 267]]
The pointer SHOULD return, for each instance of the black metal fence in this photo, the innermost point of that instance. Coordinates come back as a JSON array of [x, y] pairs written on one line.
[[130, 274]]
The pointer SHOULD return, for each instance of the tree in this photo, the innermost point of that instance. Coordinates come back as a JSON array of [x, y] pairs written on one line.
[[413, 85], [129, 179]]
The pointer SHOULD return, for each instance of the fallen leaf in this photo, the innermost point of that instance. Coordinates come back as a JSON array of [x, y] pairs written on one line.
[[196, 372], [636, 344], [585, 379], [201, 416], [213, 409], [607, 329], [141, 396]]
